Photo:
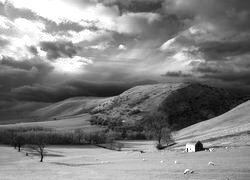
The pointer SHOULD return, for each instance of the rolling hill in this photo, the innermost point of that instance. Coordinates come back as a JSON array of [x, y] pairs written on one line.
[[230, 125], [184, 103]]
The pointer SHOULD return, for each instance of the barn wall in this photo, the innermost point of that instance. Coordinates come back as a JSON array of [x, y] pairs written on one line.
[[191, 148]]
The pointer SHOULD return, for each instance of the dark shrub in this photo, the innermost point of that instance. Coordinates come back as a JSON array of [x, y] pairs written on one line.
[[159, 146]]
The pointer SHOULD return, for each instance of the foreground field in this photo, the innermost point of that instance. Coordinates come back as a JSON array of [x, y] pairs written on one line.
[[90, 162]]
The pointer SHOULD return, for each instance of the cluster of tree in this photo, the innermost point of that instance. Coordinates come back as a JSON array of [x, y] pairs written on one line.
[[157, 127], [121, 129], [37, 138], [154, 125], [36, 141]]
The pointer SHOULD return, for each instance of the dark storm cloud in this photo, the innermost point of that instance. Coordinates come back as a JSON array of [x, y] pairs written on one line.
[[10, 78], [206, 69], [176, 74], [223, 12], [220, 50], [69, 89], [14, 73], [227, 73], [12, 13], [219, 40], [58, 49], [63, 26], [242, 78], [3, 42], [33, 50], [26, 64], [218, 44], [135, 5]]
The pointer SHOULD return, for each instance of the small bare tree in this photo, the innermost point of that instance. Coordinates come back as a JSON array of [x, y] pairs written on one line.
[[156, 125], [19, 141], [39, 144]]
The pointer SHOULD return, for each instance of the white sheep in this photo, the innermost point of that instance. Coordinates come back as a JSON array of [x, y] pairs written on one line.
[[188, 171], [211, 149], [211, 163], [175, 162]]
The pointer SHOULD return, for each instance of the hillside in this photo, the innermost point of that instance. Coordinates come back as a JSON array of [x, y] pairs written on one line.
[[195, 103], [18, 111], [68, 107], [185, 104], [235, 122]]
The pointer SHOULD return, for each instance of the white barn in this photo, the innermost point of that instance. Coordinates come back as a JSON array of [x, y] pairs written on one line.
[[194, 146]]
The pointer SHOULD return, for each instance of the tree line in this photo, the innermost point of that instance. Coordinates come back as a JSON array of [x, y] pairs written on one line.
[[153, 126], [38, 138]]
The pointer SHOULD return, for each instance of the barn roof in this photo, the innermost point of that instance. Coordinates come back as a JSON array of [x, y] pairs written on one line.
[[193, 142]]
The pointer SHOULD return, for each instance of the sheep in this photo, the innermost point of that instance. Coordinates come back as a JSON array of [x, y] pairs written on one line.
[[175, 162], [161, 161], [188, 171], [211, 163]]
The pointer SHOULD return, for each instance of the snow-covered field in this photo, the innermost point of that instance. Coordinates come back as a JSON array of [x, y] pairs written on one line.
[[91, 162]]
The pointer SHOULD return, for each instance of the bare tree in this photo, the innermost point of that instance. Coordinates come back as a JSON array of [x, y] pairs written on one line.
[[39, 144], [156, 125], [19, 141]]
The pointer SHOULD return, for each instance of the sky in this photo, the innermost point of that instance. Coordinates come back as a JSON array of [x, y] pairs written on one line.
[[55, 49]]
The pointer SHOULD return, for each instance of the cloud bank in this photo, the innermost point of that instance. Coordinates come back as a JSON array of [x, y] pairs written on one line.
[[45, 45]]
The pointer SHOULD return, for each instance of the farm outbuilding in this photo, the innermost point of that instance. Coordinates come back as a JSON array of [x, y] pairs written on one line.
[[194, 146]]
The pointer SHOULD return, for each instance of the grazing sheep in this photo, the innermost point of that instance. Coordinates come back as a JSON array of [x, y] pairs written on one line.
[[175, 162], [144, 159], [161, 161], [188, 171], [211, 163], [211, 149]]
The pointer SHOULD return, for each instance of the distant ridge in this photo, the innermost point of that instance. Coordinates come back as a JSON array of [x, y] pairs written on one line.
[[184, 103]]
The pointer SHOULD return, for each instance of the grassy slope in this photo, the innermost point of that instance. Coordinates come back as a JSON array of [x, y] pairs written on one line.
[[234, 122], [80, 121], [74, 111], [185, 104], [13, 112], [68, 107], [31, 111], [144, 97]]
